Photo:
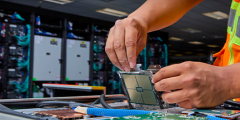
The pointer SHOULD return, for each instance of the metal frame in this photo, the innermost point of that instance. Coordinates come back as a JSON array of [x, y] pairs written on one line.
[[91, 55], [63, 53], [5, 64], [55, 98], [149, 73], [30, 85]]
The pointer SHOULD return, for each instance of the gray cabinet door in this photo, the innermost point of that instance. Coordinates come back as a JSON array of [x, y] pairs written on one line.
[[47, 53], [78, 55]]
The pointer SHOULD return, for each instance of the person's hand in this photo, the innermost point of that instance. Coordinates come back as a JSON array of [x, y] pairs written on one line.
[[193, 85], [126, 39]]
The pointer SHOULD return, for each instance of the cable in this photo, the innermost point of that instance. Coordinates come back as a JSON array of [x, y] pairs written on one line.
[[104, 104], [166, 54], [53, 103], [97, 66], [96, 48], [63, 103], [117, 98], [110, 98], [83, 105], [74, 104], [110, 112], [96, 101], [23, 41], [16, 15], [21, 88]]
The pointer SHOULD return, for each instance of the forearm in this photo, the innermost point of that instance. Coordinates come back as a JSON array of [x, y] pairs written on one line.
[[158, 14], [231, 74]]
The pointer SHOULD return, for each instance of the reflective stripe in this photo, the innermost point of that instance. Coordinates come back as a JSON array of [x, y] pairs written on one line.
[[232, 37], [231, 18], [238, 28], [229, 30]]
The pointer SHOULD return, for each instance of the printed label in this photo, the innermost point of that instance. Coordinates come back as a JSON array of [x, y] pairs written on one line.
[[11, 70], [12, 25], [12, 47]]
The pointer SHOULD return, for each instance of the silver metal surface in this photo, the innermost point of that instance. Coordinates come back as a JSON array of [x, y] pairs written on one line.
[[55, 98], [5, 116], [154, 68], [47, 53], [78, 55]]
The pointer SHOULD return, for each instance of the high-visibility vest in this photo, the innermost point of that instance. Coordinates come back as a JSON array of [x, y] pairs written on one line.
[[230, 53]]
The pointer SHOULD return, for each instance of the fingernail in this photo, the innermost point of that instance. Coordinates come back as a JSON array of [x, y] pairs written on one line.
[[121, 68], [152, 80], [168, 91], [132, 65], [127, 69]]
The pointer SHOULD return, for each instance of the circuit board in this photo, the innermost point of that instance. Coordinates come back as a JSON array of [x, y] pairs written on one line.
[[159, 116]]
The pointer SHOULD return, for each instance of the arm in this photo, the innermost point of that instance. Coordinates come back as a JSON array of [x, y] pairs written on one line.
[[128, 37], [158, 14], [231, 75]]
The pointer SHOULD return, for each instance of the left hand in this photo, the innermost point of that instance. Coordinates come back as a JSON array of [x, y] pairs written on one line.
[[197, 85]]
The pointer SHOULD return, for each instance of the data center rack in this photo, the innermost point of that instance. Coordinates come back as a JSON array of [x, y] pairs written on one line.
[[78, 52], [157, 48], [15, 54], [99, 55], [47, 63], [80, 24]]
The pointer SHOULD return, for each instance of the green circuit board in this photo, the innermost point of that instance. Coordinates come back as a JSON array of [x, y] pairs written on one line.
[[159, 116]]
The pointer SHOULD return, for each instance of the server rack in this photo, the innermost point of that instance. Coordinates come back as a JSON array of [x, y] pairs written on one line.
[[103, 26], [15, 35]]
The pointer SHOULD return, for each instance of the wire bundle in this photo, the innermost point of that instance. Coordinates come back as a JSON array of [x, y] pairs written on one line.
[[25, 42]]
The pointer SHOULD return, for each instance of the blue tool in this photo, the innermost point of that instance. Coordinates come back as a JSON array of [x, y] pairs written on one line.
[[110, 112]]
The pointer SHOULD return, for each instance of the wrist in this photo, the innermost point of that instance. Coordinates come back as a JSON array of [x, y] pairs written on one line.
[[231, 85], [140, 20]]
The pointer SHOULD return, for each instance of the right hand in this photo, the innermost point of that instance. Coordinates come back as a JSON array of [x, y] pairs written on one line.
[[126, 39]]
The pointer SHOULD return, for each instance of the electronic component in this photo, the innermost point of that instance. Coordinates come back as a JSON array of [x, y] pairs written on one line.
[[217, 112], [159, 116], [12, 62], [14, 72], [138, 87], [15, 50], [62, 114]]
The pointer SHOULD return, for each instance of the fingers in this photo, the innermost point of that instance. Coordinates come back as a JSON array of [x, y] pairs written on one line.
[[176, 96], [166, 72], [130, 42], [185, 104], [119, 45], [173, 83], [109, 49]]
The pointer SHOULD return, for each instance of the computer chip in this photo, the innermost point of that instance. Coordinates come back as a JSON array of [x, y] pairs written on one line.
[[139, 88]]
